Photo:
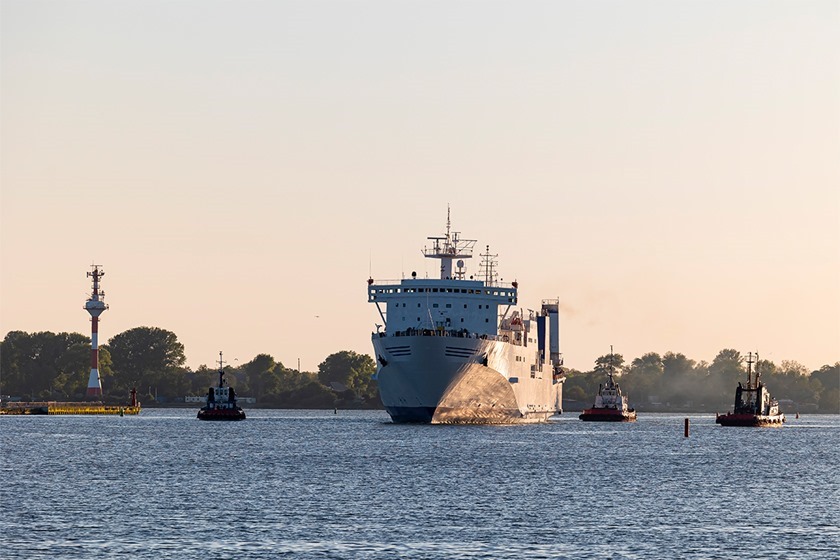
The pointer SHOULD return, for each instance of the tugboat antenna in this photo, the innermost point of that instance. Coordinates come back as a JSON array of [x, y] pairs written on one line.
[[749, 371]]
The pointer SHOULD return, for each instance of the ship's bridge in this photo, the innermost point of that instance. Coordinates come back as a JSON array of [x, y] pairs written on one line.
[[461, 305]]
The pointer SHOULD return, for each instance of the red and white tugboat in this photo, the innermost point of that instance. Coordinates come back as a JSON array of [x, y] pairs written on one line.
[[610, 404], [221, 401], [753, 404]]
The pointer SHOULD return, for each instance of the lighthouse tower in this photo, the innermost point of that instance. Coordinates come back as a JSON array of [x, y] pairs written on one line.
[[95, 306]]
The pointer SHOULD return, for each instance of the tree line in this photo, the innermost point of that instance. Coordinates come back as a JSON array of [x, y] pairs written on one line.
[[674, 382], [56, 366]]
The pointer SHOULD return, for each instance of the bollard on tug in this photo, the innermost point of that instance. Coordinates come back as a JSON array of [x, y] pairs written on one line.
[[221, 401], [753, 404]]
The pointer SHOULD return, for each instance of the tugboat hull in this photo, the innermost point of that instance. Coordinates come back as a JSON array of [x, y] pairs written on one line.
[[608, 415], [751, 420], [753, 405], [221, 414]]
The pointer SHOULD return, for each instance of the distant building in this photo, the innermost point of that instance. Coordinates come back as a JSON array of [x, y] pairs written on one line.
[[203, 399]]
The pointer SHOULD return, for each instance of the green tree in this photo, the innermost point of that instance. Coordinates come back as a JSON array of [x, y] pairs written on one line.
[[828, 375], [149, 358], [575, 393], [310, 394], [607, 361], [201, 379], [642, 378], [677, 384], [724, 373], [262, 375], [829, 378], [792, 381], [353, 371], [40, 365], [73, 371], [581, 386]]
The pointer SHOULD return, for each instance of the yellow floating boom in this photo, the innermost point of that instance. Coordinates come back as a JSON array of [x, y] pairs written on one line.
[[68, 408]]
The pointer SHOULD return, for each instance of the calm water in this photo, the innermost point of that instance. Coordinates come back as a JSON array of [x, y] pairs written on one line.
[[312, 484]]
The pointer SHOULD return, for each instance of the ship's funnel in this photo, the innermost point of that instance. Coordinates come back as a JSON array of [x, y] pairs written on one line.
[[551, 308]]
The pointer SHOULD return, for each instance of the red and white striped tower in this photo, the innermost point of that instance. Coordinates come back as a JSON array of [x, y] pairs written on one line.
[[95, 306]]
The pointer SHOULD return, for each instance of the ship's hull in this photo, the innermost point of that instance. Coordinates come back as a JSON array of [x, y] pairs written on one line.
[[221, 414], [751, 420], [462, 380], [607, 415]]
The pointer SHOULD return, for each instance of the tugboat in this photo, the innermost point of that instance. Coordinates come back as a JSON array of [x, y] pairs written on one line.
[[753, 404], [221, 401], [610, 404]]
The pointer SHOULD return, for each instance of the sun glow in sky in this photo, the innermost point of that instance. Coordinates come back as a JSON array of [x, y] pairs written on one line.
[[669, 170]]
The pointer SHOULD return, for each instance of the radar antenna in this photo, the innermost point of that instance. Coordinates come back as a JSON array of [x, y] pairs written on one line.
[[489, 264], [449, 247]]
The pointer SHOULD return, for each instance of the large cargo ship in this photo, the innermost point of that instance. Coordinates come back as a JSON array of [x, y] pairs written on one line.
[[459, 350]]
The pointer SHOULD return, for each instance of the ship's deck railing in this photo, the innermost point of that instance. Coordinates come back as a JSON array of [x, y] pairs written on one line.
[[477, 281], [461, 333]]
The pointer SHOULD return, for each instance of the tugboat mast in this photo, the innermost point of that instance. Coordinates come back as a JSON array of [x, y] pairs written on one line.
[[749, 371], [221, 370], [612, 367]]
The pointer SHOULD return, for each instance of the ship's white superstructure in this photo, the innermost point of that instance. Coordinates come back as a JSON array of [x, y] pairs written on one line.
[[460, 350]]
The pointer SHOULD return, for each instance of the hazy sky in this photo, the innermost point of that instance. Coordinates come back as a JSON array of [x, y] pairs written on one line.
[[670, 170]]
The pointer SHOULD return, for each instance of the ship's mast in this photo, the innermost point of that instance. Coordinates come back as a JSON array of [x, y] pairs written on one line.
[[749, 371], [489, 263], [448, 248]]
